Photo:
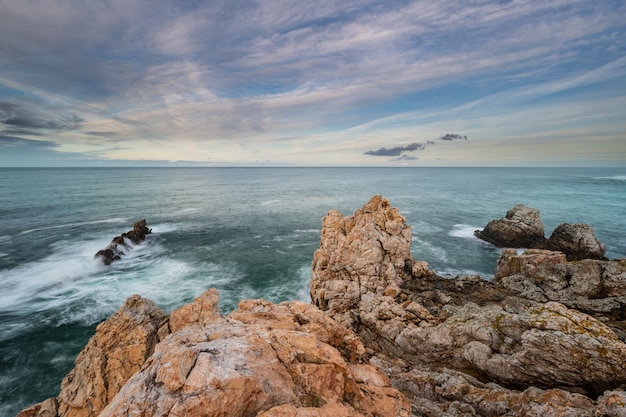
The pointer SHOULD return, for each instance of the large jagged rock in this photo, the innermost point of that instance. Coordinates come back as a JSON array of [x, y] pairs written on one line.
[[115, 250], [263, 359], [576, 241], [369, 252], [432, 323], [119, 348], [521, 228]]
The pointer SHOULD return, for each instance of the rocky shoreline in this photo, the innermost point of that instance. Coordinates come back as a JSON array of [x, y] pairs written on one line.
[[384, 336]]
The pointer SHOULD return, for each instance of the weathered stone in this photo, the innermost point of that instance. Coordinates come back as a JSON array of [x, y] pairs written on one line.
[[202, 310], [114, 251], [262, 358], [521, 228], [117, 350], [577, 241], [369, 252]]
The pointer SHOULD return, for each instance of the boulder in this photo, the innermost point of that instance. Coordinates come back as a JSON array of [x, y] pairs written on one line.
[[114, 251], [521, 228], [263, 359], [576, 241], [119, 348]]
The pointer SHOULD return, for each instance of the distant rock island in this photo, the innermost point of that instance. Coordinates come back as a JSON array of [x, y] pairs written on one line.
[[384, 336], [115, 251], [522, 228]]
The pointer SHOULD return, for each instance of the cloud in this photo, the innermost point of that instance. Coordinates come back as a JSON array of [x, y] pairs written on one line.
[[453, 136], [17, 142], [19, 119], [397, 150]]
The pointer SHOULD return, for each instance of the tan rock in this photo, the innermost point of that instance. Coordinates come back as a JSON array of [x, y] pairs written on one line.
[[117, 350], [202, 310], [262, 358]]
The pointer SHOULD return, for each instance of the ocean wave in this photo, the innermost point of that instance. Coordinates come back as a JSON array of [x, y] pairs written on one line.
[[163, 228], [270, 202], [307, 231], [61, 226], [436, 251], [614, 178], [464, 231]]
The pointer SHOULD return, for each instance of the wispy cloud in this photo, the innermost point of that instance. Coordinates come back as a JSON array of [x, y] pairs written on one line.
[[235, 79]]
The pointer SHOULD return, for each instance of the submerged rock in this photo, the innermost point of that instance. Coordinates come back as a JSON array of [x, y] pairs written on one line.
[[521, 228], [114, 251]]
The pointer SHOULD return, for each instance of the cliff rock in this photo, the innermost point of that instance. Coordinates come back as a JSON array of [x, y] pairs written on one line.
[[577, 241], [114, 251], [521, 228], [420, 321], [263, 359]]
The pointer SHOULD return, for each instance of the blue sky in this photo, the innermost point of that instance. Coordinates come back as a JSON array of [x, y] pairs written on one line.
[[324, 83]]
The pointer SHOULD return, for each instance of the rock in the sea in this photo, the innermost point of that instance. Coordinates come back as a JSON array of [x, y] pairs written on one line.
[[521, 228], [576, 241], [263, 359], [114, 251]]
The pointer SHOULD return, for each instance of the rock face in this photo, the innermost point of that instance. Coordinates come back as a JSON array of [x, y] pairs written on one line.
[[263, 359], [368, 253], [577, 241], [114, 251], [521, 228], [118, 349]]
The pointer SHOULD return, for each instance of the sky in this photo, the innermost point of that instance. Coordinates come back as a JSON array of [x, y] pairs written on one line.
[[312, 83]]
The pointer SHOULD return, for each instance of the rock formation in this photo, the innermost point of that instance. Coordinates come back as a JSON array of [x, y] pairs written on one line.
[[114, 251], [263, 359], [576, 241], [522, 228], [412, 321]]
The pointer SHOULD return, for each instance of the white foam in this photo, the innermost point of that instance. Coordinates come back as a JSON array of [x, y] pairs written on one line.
[[61, 226], [270, 202], [616, 178], [464, 231], [307, 231], [164, 228]]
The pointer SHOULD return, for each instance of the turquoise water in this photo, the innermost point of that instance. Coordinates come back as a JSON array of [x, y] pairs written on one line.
[[250, 232]]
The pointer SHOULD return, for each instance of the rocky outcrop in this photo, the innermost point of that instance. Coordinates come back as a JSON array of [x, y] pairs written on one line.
[[596, 287], [119, 348], [115, 251], [576, 241], [418, 321], [263, 359], [521, 228]]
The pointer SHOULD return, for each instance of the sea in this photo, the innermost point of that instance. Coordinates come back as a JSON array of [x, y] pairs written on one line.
[[249, 232]]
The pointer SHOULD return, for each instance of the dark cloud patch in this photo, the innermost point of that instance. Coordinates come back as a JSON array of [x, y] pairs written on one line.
[[453, 136], [17, 142], [103, 134], [397, 151], [18, 120]]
